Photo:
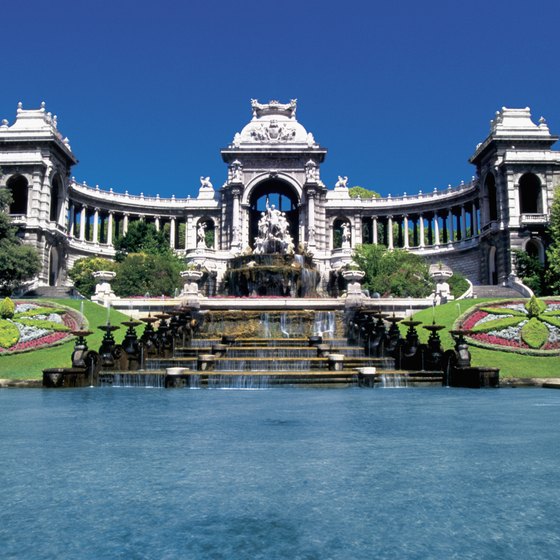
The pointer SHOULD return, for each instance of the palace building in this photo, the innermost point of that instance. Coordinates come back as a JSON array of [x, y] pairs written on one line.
[[275, 162]]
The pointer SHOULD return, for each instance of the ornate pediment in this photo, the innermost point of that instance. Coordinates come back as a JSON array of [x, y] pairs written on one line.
[[273, 131], [274, 107]]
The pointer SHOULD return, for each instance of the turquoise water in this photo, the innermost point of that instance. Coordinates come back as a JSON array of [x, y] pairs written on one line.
[[279, 474]]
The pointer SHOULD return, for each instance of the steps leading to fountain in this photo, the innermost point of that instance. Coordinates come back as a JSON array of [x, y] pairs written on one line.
[[263, 380], [256, 363]]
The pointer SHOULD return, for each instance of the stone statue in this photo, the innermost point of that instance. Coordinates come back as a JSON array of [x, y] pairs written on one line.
[[345, 235], [236, 171], [273, 233], [205, 183], [311, 171], [201, 235], [342, 183]]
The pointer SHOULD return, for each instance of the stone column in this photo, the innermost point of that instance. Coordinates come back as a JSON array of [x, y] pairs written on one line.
[[83, 219], [72, 220], [110, 228], [96, 226], [374, 225], [474, 221], [436, 229], [463, 223], [156, 223], [186, 233], [311, 217], [449, 227], [390, 232], [172, 232], [422, 243], [406, 244], [125, 223], [235, 228]]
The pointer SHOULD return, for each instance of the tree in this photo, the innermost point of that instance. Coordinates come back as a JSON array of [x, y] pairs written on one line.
[[552, 275], [81, 273], [18, 262], [397, 273], [141, 273], [142, 237], [530, 269], [360, 192]]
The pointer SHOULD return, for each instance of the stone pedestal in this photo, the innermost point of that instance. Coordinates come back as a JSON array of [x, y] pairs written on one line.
[[190, 288], [103, 291], [206, 362], [336, 362]]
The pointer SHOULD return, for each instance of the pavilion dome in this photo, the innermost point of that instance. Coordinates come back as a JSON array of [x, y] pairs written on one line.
[[273, 125]]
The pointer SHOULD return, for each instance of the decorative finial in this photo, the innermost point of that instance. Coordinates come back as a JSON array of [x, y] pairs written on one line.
[[43, 104]]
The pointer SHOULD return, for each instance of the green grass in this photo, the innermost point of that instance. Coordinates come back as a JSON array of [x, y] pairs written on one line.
[[30, 365], [510, 363]]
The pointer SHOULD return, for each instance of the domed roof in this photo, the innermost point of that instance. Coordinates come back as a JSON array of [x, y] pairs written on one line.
[[274, 124]]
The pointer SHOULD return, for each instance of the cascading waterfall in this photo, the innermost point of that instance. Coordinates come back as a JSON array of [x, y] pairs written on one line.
[[238, 382], [393, 381], [148, 380], [324, 324]]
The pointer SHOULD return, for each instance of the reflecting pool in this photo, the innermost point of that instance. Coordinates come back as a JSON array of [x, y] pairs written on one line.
[[280, 474]]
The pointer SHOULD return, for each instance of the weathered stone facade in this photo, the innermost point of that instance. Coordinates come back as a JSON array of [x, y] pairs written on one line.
[[473, 227]]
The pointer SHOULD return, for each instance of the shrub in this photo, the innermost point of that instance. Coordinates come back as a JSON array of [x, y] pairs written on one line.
[[7, 308], [458, 284], [82, 273], [9, 334], [535, 307]]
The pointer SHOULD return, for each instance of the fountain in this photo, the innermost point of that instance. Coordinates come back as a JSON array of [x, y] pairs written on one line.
[[273, 268]]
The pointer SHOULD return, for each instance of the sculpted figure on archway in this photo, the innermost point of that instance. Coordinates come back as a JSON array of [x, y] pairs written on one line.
[[273, 233]]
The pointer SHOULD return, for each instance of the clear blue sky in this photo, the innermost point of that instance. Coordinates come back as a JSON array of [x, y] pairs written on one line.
[[398, 92]]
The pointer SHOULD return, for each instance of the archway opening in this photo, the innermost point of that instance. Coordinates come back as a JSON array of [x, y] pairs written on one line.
[[54, 267], [530, 199], [341, 232], [492, 195], [18, 187], [281, 195]]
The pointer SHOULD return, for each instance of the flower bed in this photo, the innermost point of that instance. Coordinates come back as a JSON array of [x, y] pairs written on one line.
[[36, 326], [531, 327]]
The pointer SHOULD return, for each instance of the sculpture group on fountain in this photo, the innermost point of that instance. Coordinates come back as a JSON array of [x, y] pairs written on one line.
[[273, 233]]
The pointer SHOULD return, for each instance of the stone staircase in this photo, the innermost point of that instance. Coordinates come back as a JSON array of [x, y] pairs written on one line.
[[495, 292], [53, 292]]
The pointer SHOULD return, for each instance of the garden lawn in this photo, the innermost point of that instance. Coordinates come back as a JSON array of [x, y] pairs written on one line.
[[30, 365], [511, 364]]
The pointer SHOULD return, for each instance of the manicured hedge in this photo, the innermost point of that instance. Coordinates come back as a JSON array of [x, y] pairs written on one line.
[[534, 333], [51, 325], [498, 324]]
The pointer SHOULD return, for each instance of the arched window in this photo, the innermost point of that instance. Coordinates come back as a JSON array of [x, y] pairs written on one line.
[[491, 193], [18, 187], [530, 199], [535, 248], [56, 198]]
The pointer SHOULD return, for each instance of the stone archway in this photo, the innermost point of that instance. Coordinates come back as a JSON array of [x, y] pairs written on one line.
[[280, 194], [530, 194], [19, 188], [55, 266], [492, 266], [491, 197]]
